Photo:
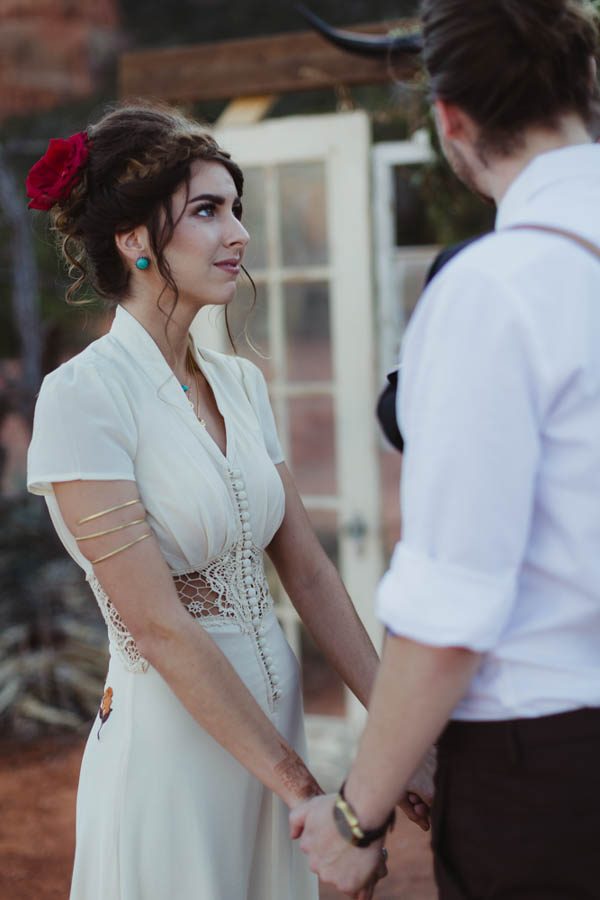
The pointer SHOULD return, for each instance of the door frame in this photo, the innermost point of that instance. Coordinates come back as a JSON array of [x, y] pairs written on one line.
[[342, 141]]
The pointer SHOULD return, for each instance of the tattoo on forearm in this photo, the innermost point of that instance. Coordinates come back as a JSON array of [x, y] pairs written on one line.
[[295, 776]]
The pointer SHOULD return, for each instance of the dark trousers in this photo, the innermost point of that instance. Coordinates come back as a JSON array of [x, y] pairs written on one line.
[[517, 809]]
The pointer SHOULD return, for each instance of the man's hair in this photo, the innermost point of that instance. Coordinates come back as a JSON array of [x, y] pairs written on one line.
[[512, 64]]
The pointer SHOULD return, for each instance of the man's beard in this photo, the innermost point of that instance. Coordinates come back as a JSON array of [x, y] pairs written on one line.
[[460, 166], [463, 169]]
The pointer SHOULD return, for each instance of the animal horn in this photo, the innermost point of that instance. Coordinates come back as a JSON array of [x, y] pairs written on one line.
[[362, 44]]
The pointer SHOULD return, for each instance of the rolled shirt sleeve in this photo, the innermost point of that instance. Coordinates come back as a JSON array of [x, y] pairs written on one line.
[[469, 408]]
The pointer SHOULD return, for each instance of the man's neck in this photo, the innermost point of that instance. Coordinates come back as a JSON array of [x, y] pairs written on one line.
[[502, 171]]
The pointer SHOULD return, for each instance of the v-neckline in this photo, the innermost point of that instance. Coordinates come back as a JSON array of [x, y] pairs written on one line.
[[132, 334], [202, 365]]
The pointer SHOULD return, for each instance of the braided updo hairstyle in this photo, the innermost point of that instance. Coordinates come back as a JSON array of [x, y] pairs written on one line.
[[512, 64], [138, 156]]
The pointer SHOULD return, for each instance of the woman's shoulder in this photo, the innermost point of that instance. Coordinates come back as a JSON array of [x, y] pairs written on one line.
[[97, 359], [94, 366]]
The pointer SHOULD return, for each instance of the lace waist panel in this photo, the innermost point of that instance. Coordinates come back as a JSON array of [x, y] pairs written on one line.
[[230, 590]]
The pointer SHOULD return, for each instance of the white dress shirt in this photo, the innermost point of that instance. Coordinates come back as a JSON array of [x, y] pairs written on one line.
[[500, 411]]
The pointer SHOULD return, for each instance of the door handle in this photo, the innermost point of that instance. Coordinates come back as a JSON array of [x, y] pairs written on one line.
[[356, 529]]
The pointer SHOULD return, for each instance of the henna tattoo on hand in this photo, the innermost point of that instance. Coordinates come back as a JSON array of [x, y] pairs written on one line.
[[295, 775]]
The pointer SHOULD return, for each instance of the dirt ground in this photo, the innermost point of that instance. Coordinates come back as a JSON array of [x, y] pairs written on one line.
[[38, 782]]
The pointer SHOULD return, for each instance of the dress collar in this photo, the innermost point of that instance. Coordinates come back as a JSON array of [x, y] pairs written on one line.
[[146, 354], [140, 344], [541, 175]]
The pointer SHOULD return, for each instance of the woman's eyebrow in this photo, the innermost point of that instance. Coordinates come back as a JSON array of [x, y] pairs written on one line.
[[214, 198]]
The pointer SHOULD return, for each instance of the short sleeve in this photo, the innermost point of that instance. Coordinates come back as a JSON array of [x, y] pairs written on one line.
[[470, 410], [83, 428], [256, 389]]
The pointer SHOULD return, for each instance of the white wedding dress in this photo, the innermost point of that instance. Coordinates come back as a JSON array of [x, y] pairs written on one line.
[[163, 811]]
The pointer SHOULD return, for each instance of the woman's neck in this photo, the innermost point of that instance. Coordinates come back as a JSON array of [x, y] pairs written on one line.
[[169, 334]]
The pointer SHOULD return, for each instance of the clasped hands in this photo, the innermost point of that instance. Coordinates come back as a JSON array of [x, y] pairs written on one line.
[[355, 871]]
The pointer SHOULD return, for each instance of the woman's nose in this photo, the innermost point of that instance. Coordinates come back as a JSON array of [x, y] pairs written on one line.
[[238, 234]]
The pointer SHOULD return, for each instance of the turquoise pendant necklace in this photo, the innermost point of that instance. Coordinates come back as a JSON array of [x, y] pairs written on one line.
[[186, 387]]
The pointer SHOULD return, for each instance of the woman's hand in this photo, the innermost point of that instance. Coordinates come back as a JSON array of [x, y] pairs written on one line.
[[352, 870], [367, 892], [416, 802]]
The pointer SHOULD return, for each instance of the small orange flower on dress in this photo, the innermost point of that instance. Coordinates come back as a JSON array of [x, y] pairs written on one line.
[[105, 707]]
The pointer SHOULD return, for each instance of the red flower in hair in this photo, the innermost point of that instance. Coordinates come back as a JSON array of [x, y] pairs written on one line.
[[54, 175]]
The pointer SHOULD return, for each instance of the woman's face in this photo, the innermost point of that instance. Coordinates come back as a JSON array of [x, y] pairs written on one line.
[[208, 243]]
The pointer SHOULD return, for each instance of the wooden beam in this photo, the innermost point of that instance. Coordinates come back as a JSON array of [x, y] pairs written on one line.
[[297, 61], [245, 111]]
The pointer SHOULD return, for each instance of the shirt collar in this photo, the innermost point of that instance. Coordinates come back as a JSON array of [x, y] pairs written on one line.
[[543, 173]]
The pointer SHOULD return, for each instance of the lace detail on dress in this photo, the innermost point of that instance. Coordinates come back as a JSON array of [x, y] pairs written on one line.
[[230, 590], [120, 639]]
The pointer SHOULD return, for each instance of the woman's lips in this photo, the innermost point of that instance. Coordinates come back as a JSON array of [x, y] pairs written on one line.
[[232, 266]]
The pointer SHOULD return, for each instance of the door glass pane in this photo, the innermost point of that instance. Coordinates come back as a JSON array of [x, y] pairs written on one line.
[[322, 687], [254, 218], [307, 330], [325, 524], [248, 322], [413, 223], [390, 469], [312, 433], [302, 214], [411, 267], [428, 210]]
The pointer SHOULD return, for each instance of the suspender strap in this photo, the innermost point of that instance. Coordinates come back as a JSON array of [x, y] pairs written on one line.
[[561, 232]]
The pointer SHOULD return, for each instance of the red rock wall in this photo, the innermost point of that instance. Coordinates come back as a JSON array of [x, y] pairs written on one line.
[[51, 50]]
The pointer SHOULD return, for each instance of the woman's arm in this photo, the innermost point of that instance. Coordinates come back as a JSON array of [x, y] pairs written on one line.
[[140, 586], [316, 590]]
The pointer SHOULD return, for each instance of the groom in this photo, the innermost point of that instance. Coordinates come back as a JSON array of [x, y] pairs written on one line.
[[492, 599]]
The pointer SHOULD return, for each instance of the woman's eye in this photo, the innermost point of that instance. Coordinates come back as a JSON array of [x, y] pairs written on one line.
[[206, 210]]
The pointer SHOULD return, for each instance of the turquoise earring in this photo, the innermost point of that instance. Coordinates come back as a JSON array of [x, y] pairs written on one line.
[[142, 262]]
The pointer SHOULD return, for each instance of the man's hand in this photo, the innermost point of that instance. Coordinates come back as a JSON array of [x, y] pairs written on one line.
[[352, 870]]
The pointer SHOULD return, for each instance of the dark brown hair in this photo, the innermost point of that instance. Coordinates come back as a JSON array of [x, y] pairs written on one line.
[[512, 64], [139, 154]]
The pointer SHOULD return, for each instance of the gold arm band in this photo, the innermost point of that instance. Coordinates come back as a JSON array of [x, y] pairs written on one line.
[[104, 512], [87, 537], [124, 547]]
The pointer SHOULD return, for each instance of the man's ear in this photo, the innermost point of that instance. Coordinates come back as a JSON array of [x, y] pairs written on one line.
[[132, 244], [454, 123]]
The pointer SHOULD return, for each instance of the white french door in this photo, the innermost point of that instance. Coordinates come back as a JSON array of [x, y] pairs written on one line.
[[307, 208]]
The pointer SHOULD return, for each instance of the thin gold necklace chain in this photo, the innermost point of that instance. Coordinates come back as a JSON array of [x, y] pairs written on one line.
[[192, 368]]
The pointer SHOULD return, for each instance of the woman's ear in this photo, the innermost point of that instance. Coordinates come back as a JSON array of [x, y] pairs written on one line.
[[133, 244]]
